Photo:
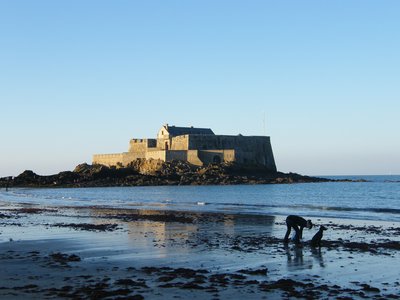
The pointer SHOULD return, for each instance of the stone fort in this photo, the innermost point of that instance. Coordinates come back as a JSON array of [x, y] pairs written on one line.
[[198, 146]]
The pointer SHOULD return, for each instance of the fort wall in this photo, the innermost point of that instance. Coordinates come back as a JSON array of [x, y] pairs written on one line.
[[156, 154], [216, 156], [141, 145], [196, 148], [108, 159], [176, 155], [180, 142], [128, 157], [193, 158], [248, 149]]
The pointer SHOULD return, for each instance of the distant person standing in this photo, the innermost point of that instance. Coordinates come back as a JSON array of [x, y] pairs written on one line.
[[297, 223], [8, 182]]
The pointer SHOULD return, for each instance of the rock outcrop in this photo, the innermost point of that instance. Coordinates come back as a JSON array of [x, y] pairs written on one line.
[[156, 172]]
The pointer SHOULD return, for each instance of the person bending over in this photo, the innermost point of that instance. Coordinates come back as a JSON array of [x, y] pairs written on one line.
[[297, 223]]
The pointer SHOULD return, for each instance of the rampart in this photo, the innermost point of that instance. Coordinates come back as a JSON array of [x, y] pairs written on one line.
[[197, 146], [108, 159]]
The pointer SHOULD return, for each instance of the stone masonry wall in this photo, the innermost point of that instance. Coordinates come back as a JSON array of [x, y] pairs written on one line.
[[197, 149], [156, 155], [141, 145], [212, 156], [129, 157], [193, 158], [248, 149], [176, 155], [180, 142], [108, 159]]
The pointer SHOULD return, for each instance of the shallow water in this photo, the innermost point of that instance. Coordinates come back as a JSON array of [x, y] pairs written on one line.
[[216, 243], [377, 199]]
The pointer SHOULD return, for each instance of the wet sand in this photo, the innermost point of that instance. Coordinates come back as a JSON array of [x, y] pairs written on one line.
[[103, 253]]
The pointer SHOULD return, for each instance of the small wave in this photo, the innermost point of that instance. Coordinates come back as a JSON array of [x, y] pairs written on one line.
[[361, 209], [316, 207]]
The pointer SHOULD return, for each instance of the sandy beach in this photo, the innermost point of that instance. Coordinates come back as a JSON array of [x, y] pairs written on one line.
[[103, 253]]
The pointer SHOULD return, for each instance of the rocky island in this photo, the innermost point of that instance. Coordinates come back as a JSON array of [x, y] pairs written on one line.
[[142, 172]]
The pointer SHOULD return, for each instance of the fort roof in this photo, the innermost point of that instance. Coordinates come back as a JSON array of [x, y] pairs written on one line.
[[176, 131]]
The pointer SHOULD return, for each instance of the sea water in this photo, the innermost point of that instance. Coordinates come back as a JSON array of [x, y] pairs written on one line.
[[376, 199]]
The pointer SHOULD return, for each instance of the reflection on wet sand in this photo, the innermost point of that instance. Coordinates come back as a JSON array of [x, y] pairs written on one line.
[[80, 252], [317, 254], [167, 232], [294, 256], [296, 260], [186, 222]]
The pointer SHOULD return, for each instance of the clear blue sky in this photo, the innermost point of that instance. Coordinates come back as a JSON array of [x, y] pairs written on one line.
[[82, 77]]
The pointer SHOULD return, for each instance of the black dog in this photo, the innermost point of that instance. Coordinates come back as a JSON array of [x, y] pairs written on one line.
[[316, 240]]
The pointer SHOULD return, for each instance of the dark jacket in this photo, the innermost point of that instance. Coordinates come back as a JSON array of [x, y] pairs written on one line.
[[296, 220]]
